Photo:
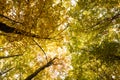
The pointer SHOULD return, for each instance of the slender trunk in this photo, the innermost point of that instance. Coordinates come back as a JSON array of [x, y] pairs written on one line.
[[40, 69]]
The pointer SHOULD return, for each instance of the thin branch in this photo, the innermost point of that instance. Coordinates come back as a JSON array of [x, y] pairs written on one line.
[[40, 12], [106, 19], [8, 29], [3, 34], [57, 27], [61, 31], [41, 49], [1, 73], [2, 57], [9, 18], [40, 69]]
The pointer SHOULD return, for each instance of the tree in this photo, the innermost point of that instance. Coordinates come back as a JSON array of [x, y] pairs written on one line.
[[59, 39], [33, 28], [95, 40]]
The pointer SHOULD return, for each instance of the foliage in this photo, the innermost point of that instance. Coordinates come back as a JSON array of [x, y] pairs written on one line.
[[95, 40], [19, 19], [82, 35]]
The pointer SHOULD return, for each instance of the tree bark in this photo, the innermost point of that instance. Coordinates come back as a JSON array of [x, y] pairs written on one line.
[[7, 29]]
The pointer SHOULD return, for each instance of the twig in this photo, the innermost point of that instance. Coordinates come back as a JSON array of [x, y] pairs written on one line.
[[106, 19], [61, 31], [2, 57], [9, 18], [1, 73], [41, 49], [3, 34]]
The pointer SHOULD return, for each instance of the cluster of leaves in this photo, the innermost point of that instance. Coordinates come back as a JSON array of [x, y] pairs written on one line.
[[39, 30], [95, 40], [30, 38]]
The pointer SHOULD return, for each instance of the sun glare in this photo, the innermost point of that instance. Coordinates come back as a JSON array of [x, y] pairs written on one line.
[[73, 2]]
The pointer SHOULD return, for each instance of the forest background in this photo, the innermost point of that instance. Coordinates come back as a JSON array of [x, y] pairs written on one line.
[[59, 39]]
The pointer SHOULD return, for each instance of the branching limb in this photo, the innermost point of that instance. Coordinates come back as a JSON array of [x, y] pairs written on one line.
[[40, 69], [8, 29], [41, 49], [106, 20], [3, 34], [2, 57], [61, 31], [9, 19], [1, 73]]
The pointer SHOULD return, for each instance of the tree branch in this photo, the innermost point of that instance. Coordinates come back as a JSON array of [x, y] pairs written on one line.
[[2, 57], [1, 73], [41, 49], [8, 29], [9, 19], [40, 69], [106, 19], [61, 31]]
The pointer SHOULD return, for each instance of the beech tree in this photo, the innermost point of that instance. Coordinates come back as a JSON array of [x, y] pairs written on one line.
[[59, 40], [95, 40], [32, 35]]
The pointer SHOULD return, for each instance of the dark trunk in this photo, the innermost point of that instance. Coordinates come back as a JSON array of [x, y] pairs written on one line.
[[40, 69]]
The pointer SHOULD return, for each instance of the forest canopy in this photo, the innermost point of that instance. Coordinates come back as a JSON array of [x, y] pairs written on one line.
[[59, 40]]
